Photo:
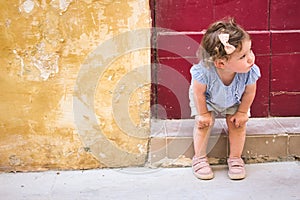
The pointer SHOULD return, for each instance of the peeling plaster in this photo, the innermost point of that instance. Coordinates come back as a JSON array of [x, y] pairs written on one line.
[[7, 23], [46, 63], [27, 6], [62, 5], [21, 62]]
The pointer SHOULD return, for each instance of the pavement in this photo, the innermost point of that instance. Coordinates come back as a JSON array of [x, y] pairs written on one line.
[[278, 180]]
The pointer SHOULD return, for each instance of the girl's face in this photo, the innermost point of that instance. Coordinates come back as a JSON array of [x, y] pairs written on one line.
[[242, 61]]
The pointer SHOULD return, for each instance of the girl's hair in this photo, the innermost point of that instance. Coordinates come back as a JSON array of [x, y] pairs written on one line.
[[211, 47]]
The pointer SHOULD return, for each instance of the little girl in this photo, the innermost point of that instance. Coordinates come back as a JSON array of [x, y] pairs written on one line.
[[223, 82]]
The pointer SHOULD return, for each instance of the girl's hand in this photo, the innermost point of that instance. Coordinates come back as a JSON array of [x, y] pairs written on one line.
[[239, 119], [204, 120]]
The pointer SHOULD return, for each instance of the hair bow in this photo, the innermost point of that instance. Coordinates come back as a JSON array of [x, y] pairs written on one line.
[[224, 37]]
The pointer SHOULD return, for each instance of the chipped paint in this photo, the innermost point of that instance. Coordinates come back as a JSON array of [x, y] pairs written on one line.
[[27, 6], [21, 62], [61, 5], [46, 63]]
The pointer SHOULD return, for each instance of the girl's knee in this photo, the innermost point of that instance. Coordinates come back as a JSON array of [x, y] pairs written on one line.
[[202, 131]]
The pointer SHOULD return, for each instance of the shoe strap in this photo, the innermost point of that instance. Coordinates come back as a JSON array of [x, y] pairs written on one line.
[[235, 162], [199, 163]]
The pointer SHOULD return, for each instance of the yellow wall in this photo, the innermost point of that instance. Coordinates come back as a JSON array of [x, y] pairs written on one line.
[[50, 47]]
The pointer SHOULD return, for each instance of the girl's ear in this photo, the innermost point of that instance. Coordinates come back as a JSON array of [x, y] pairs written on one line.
[[219, 63]]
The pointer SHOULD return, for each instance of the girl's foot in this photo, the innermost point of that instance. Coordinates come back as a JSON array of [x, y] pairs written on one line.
[[236, 168], [201, 168]]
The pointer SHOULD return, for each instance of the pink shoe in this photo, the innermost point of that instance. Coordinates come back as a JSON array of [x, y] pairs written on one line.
[[236, 168], [201, 168]]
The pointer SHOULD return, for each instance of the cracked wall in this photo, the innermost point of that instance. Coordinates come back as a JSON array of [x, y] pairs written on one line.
[[43, 47]]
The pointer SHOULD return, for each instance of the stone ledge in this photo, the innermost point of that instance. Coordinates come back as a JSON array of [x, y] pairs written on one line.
[[267, 139], [255, 126]]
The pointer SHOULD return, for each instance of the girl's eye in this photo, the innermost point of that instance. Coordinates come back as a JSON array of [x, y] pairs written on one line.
[[243, 57]]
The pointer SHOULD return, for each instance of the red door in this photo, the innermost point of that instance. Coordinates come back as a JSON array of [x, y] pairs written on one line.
[[274, 26]]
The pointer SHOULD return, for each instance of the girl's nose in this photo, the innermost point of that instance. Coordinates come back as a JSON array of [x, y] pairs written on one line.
[[251, 58]]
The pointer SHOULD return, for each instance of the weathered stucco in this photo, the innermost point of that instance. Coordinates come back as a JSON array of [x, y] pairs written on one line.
[[44, 44]]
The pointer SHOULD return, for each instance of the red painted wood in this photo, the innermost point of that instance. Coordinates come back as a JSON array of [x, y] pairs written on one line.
[[285, 42], [180, 65], [285, 73], [284, 15], [173, 83], [285, 104], [169, 109], [252, 15], [260, 106], [182, 15], [195, 15], [261, 43], [178, 45]]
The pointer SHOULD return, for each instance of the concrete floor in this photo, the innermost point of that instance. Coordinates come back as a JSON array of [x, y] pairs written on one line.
[[264, 181]]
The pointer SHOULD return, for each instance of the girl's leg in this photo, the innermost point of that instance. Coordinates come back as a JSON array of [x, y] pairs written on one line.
[[200, 138], [237, 138], [200, 163]]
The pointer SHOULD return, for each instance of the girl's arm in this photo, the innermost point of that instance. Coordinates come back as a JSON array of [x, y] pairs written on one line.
[[247, 98], [199, 97], [241, 116], [204, 119]]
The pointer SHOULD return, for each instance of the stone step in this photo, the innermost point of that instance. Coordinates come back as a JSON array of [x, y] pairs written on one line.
[[267, 139]]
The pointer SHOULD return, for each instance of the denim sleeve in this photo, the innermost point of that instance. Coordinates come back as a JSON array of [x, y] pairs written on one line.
[[253, 75], [199, 73]]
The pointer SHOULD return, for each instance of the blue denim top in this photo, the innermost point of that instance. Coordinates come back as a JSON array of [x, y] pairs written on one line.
[[217, 93]]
